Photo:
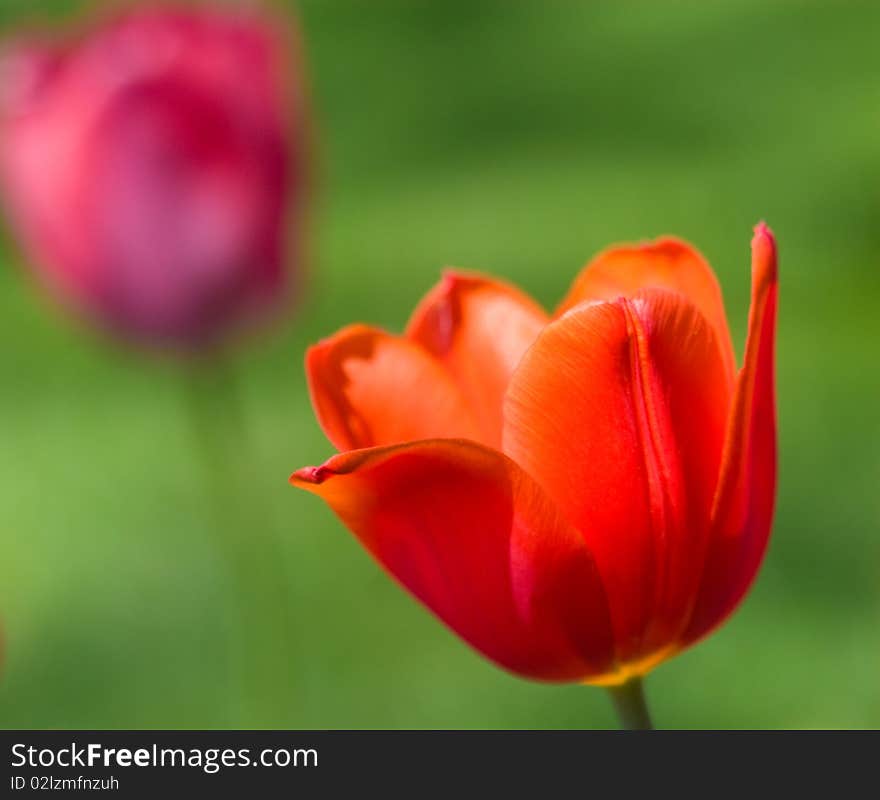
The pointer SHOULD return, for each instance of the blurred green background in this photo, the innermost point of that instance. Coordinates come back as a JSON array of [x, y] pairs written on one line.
[[516, 138]]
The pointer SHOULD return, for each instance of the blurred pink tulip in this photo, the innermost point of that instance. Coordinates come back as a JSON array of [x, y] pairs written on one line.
[[152, 170]]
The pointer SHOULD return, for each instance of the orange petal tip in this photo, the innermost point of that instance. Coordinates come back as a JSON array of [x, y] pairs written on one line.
[[449, 276], [310, 475], [452, 278], [764, 253]]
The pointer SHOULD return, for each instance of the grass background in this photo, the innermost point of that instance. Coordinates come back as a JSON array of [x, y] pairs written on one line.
[[518, 138]]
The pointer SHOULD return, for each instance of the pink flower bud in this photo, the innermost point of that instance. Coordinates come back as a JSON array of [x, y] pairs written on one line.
[[152, 169]]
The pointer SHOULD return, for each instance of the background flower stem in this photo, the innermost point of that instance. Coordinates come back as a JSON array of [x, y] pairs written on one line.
[[629, 703], [262, 650]]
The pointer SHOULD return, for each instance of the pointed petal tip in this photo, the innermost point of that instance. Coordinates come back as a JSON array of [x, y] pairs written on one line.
[[452, 278], [764, 261], [310, 476], [762, 231]]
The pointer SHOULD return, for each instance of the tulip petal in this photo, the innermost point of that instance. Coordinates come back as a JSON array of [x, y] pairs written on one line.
[[149, 167], [370, 388], [618, 411], [478, 328], [745, 496], [476, 540], [666, 263]]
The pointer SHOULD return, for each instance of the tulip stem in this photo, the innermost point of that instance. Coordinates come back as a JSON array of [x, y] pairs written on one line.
[[248, 545], [629, 703]]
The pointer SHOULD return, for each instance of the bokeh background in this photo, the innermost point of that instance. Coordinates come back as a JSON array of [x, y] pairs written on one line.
[[517, 138]]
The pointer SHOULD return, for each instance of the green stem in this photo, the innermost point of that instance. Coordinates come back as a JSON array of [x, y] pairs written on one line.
[[248, 544], [629, 703]]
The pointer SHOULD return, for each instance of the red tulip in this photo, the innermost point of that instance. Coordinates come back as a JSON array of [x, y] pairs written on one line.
[[148, 168], [579, 496]]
